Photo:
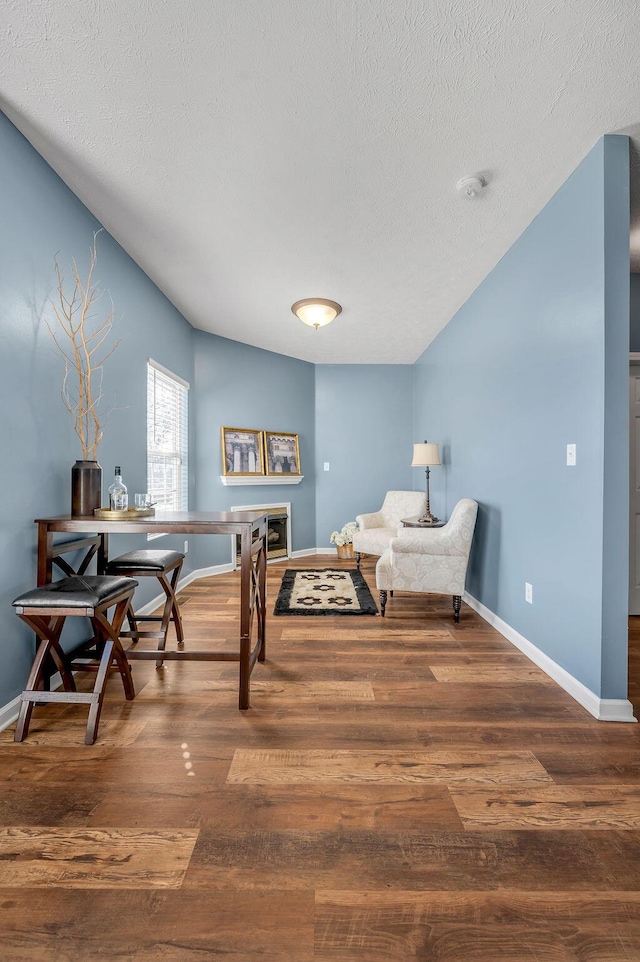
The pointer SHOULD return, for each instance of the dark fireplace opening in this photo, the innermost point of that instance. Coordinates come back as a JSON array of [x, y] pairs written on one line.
[[276, 535]]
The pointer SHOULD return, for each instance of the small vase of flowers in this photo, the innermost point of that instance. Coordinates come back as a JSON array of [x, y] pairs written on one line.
[[343, 539]]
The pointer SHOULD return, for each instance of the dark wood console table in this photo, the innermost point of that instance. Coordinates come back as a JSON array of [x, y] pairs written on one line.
[[251, 526]]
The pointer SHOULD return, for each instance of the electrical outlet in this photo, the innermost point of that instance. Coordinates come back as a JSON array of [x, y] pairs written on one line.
[[326, 465], [571, 455], [186, 547], [528, 592]]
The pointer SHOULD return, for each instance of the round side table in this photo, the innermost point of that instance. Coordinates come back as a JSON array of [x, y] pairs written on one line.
[[414, 523]]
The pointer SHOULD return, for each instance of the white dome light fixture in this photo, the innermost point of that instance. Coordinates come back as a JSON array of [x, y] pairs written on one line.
[[470, 187], [316, 311]]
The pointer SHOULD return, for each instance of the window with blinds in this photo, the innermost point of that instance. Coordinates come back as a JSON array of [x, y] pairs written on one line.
[[167, 438]]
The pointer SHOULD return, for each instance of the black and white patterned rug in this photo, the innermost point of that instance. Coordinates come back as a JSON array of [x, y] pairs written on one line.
[[324, 591]]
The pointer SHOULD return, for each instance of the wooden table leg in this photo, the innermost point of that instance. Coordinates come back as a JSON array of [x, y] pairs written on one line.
[[245, 619], [261, 601], [103, 554], [45, 554]]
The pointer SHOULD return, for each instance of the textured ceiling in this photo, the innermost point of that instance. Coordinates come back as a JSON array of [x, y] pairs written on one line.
[[248, 153]]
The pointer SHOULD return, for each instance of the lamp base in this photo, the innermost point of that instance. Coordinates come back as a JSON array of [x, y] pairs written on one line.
[[428, 519]]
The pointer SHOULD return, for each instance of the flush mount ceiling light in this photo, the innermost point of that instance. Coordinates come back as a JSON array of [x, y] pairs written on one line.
[[316, 311], [470, 187]]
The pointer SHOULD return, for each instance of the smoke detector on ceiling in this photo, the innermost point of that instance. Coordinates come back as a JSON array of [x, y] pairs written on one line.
[[470, 187]]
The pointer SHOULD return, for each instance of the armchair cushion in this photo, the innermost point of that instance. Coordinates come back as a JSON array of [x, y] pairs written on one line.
[[373, 540], [377, 528]]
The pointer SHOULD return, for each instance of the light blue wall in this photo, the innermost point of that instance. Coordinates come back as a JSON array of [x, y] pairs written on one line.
[[536, 359], [244, 387], [364, 430], [40, 217]]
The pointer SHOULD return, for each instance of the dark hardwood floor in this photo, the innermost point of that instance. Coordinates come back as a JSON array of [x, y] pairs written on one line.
[[401, 789]]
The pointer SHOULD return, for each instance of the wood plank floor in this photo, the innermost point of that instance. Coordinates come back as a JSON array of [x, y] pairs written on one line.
[[406, 789]]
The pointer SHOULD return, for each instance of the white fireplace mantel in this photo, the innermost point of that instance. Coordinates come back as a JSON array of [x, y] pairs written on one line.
[[232, 481]]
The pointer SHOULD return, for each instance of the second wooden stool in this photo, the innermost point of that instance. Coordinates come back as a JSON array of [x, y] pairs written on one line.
[[157, 564]]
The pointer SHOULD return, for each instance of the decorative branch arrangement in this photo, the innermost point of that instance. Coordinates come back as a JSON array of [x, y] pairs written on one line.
[[82, 342]]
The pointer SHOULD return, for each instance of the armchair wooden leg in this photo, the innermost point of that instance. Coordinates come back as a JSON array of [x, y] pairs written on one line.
[[358, 560], [457, 604], [383, 602]]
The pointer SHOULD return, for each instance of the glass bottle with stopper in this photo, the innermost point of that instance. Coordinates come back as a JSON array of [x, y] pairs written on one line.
[[118, 497]]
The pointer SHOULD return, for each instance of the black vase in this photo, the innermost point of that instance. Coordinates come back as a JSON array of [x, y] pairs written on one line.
[[86, 488]]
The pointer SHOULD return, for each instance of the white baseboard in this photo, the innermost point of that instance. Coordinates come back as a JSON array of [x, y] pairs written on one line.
[[604, 709], [308, 552], [9, 713]]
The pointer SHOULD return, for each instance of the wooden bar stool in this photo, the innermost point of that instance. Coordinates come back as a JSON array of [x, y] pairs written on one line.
[[157, 564], [45, 610]]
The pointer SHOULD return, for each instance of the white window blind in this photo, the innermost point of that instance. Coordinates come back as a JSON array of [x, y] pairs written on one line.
[[167, 438]]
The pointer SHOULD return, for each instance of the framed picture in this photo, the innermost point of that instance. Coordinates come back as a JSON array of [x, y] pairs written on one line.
[[281, 453], [242, 451]]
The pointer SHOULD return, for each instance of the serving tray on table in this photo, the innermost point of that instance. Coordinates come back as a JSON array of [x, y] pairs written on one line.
[[128, 514]]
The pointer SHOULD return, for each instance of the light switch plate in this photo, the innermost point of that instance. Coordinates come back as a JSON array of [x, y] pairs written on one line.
[[571, 455]]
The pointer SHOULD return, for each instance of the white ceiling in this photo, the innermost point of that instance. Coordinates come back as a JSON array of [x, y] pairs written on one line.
[[248, 153]]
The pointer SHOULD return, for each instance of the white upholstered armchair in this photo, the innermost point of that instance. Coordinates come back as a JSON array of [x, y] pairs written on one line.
[[430, 559], [379, 527]]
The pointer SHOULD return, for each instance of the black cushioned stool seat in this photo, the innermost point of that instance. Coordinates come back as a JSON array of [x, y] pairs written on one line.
[[147, 562], [45, 610]]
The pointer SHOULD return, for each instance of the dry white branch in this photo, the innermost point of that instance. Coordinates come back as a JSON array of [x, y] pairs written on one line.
[[80, 339]]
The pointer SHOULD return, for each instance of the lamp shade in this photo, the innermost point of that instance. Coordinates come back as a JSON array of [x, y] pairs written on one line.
[[425, 455], [316, 311]]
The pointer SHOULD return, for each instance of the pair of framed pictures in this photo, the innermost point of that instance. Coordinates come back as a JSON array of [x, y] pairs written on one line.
[[246, 452]]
